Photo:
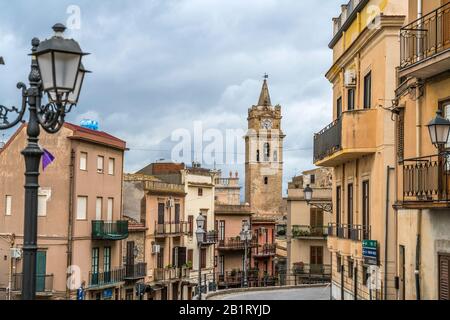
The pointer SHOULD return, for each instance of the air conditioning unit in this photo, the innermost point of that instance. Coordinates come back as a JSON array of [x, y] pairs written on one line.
[[156, 248], [350, 78], [16, 253]]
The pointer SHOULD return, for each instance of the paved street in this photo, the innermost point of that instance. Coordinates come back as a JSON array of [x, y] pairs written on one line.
[[322, 293]]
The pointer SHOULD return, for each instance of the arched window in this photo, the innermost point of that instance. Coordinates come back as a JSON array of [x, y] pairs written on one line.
[[266, 152], [275, 156], [266, 180], [257, 156]]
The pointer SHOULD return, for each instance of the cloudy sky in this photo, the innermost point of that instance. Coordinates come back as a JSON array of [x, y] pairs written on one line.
[[163, 65]]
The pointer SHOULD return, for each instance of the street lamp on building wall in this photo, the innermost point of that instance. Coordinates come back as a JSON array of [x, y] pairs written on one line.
[[200, 233], [325, 205], [439, 129], [57, 72], [246, 236]]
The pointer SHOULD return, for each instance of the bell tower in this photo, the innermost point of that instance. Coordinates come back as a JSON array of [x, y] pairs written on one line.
[[264, 156]]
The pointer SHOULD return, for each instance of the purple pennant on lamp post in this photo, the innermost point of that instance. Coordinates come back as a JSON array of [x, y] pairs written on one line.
[[47, 159]]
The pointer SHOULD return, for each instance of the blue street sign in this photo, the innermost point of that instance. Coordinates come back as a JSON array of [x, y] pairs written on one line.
[[371, 253]]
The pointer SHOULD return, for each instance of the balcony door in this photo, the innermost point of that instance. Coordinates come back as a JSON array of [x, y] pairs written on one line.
[[161, 210], [316, 221], [107, 264], [350, 209], [41, 268], [316, 259]]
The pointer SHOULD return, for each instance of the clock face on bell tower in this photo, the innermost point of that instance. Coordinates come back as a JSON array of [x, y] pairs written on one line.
[[264, 157]]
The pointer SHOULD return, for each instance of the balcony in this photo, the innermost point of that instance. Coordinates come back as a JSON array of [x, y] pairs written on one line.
[[135, 271], [309, 232], [264, 251], [425, 45], [168, 274], [234, 244], [311, 270], [426, 182], [349, 232], [44, 284], [347, 138], [171, 229], [106, 278], [210, 238], [102, 230]]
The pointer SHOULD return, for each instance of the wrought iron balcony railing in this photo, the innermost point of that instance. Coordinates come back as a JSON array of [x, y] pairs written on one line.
[[167, 274], [309, 231], [171, 228], [426, 179], [135, 271], [328, 141], [426, 37], [105, 230], [103, 278], [349, 232], [44, 283], [265, 250], [210, 238], [235, 244]]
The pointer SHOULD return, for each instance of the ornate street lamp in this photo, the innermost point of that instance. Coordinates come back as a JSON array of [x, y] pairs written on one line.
[[439, 129], [246, 236], [325, 205], [55, 71], [2, 61], [200, 233]]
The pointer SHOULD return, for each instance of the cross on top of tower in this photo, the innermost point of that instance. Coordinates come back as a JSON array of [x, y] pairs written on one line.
[[264, 98]]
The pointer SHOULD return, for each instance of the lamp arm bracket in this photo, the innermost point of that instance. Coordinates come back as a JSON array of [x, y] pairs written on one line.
[[5, 122]]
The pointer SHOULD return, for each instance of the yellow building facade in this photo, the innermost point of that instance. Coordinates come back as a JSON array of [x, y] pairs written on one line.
[[423, 208], [359, 146]]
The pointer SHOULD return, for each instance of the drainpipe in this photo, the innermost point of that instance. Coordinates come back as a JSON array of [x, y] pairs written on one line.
[[70, 222], [418, 153], [386, 232]]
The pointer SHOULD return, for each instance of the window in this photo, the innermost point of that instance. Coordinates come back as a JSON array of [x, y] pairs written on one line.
[[266, 151], [98, 209], [8, 205], [203, 258], [111, 166], [82, 208], [191, 225], [444, 276], [95, 260], [107, 259], [366, 209], [221, 265], [161, 211], [338, 205], [190, 256], [350, 268], [160, 259], [109, 213], [221, 230], [312, 179], [177, 213], [83, 161], [338, 263], [200, 192], [339, 108], [275, 156], [100, 162], [257, 155], [368, 91], [266, 180], [365, 275], [351, 99], [350, 210]]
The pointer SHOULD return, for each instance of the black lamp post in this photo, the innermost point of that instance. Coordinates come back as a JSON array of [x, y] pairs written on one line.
[[200, 234], [246, 236], [56, 71]]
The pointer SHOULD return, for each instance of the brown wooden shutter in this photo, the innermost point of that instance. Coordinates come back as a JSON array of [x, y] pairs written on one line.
[[191, 225], [190, 256], [401, 135], [444, 278]]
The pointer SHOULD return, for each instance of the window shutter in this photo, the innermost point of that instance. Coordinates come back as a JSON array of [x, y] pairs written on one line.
[[182, 256], [444, 279], [401, 135]]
